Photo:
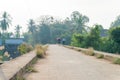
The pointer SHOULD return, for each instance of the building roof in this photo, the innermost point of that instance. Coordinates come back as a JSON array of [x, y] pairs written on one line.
[[14, 41]]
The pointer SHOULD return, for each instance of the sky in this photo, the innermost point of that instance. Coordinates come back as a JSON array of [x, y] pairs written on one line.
[[99, 11]]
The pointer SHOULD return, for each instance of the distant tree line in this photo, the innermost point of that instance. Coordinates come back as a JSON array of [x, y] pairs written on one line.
[[76, 32], [74, 29]]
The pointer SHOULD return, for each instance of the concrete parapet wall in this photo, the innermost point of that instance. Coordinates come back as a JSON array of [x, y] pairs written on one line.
[[16, 67], [106, 56]]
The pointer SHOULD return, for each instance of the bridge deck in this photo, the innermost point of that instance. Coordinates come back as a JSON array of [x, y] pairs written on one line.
[[65, 64]]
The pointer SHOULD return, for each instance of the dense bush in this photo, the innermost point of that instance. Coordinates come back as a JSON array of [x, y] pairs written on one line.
[[24, 48], [93, 39], [78, 40]]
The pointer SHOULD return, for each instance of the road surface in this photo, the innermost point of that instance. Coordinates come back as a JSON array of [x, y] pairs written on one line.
[[66, 64], [2, 77]]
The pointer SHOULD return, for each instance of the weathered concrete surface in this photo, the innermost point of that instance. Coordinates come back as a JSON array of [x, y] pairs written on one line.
[[12, 67], [107, 56], [2, 77], [65, 64]]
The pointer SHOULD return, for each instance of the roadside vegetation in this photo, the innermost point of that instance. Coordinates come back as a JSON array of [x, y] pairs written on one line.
[[116, 60], [24, 48], [100, 56], [74, 29], [89, 51], [41, 50], [76, 32]]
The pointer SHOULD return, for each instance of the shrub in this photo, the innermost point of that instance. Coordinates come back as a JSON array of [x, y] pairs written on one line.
[[24, 48], [99, 56], [40, 51], [116, 61], [90, 51]]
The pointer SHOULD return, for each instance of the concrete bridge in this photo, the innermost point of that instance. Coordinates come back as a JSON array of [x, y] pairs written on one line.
[[65, 64]]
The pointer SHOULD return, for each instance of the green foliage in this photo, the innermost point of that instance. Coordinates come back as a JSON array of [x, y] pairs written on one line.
[[91, 40], [24, 48], [79, 21], [44, 34], [28, 38], [115, 34], [17, 30], [31, 26], [107, 45], [49, 28], [78, 40], [116, 23], [75, 31], [5, 22]]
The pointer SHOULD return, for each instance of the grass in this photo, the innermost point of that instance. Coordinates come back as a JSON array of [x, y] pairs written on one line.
[[100, 56], [19, 78], [116, 60], [90, 51], [34, 61], [30, 69], [41, 50]]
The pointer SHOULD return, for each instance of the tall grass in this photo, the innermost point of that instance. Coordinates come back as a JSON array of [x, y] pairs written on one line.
[[100, 56], [90, 51], [41, 50], [116, 60]]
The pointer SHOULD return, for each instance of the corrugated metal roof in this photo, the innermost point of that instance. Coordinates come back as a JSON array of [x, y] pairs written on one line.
[[13, 41]]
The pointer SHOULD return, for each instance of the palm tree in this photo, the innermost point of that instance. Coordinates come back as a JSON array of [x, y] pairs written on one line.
[[5, 21], [32, 29], [17, 28], [31, 26]]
